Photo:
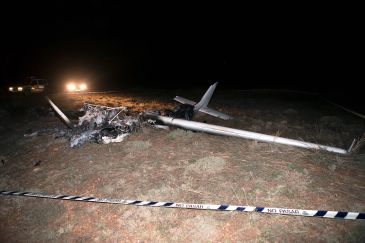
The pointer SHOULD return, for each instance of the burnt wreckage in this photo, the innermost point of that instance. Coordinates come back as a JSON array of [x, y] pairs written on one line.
[[100, 124], [103, 124]]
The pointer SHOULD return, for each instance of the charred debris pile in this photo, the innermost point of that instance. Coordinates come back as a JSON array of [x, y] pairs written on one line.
[[104, 124]]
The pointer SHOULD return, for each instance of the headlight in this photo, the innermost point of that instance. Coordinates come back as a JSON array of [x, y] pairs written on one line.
[[83, 87], [11, 88], [20, 88], [71, 87]]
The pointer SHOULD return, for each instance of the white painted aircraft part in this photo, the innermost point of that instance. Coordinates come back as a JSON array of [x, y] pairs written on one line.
[[60, 113], [219, 130]]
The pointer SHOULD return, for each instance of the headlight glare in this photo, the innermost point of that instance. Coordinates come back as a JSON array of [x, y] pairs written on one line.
[[71, 87], [83, 87]]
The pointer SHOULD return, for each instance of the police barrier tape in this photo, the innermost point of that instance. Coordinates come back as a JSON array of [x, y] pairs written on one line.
[[222, 207]]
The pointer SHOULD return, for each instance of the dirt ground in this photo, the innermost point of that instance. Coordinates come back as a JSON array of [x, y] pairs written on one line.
[[182, 166]]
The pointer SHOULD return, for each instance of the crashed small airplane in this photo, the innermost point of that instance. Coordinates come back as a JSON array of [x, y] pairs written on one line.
[[186, 111], [202, 105]]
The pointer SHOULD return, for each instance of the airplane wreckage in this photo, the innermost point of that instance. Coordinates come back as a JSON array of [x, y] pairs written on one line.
[[104, 124]]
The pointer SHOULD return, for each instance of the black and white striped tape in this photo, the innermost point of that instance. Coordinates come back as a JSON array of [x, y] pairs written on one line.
[[284, 211]]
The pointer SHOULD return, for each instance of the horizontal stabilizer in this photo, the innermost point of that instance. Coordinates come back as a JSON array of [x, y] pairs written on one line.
[[184, 101], [215, 113]]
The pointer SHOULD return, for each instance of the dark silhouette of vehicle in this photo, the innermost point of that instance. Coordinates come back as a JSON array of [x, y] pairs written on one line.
[[30, 85]]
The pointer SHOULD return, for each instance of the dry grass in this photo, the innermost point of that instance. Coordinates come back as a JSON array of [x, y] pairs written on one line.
[[183, 166]]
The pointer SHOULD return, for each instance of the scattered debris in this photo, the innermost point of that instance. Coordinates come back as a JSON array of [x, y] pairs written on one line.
[[357, 144], [98, 114], [33, 134], [152, 123], [100, 124], [119, 138], [103, 124], [37, 163]]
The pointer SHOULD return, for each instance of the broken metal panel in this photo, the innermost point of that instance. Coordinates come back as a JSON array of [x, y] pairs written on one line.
[[81, 138], [226, 131], [98, 115], [153, 124], [119, 138], [107, 107]]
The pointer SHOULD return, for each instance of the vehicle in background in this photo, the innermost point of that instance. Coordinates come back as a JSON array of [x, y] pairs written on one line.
[[30, 85], [76, 86]]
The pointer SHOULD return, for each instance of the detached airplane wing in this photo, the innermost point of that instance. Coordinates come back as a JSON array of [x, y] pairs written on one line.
[[184, 101], [215, 113]]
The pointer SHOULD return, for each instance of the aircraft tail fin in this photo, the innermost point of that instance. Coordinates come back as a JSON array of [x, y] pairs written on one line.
[[206, 97], [202, 105]]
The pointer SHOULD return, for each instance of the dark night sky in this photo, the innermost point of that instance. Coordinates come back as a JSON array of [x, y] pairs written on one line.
[[65, 40]]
